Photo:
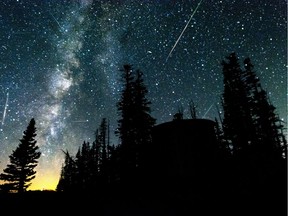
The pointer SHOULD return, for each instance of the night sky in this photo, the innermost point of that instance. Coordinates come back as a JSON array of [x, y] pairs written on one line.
[[60, 61]]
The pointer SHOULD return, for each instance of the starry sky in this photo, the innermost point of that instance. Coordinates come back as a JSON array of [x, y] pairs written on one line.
[[60, 62]]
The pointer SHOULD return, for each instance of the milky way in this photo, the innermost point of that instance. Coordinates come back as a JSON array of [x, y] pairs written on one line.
[[60, 61]]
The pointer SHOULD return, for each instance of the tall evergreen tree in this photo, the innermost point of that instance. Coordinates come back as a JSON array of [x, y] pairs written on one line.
[[103, 146], [23, 161], [103, 136], [83, 169], [268, 129], [94, 162], [89, 171], [68, 175], [125, 129], [250, 121], [253, 128], [237, 121], [143, 121], [135, 123]]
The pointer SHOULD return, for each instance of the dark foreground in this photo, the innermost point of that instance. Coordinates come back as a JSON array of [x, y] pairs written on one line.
[[138, 202]]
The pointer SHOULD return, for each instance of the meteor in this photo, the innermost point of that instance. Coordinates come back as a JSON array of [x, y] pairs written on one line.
[[5, 108], [81, 121], [54, 18], [192, 15], [207, 111]]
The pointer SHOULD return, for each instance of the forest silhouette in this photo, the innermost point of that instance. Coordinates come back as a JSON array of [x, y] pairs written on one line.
[[233, 165]]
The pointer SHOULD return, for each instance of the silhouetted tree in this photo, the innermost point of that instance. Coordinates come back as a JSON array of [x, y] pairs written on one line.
[[90, 168], [82, 160], [23, 161], [94, 162], [68, 175], [103, 145], [135, 123], [103, 136], [143, 121], [223, 146], [125, 125], [254, 130], [192, 109], [237, 122], [268, 129]]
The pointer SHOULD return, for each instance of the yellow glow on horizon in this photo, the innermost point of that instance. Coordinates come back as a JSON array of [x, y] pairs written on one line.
[[47, 181]]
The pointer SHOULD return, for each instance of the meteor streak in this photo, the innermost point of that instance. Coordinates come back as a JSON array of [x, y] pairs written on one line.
[[184, 29], [56, 21], [5, 108], [207, 111], [81, 121]]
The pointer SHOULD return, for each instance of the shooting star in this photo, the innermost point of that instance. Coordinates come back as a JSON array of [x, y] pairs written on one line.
[[54, 18], [192, 15], [5, 108], [81, 121], [207, 111]]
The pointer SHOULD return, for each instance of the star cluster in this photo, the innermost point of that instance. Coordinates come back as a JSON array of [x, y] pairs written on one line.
[[60, 61]]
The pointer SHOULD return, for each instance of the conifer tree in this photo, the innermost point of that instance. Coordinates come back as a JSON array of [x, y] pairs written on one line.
[[267, 130], [250, 121], [102, 150], [125, 129], [82, 163], [90, 168], [253, 129], [103, 142], [135, 123], [94, 163], [67, 181], [237, 121], [143, 121], [23, 161]]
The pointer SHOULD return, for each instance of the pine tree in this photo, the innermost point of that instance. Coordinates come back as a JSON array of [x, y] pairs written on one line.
[[250, 121], [104, 142], [135, 123], [125, 129], [125, 105], [144, 122], [254, 130], [67, 181], [267, 128], [82, 163], [237, 121], [103, 146], [23, 161], [223, 147], [94, 163]]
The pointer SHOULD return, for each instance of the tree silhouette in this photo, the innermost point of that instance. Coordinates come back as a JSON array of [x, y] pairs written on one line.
[[103, 140], [67, 176], [259, 148], [135, 123], [90, 167], [237, 121], [82, 163], [250, 122], [242, 156], [143, 121], [125, 123], [268, 129], [104, 146], [23, 161]]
